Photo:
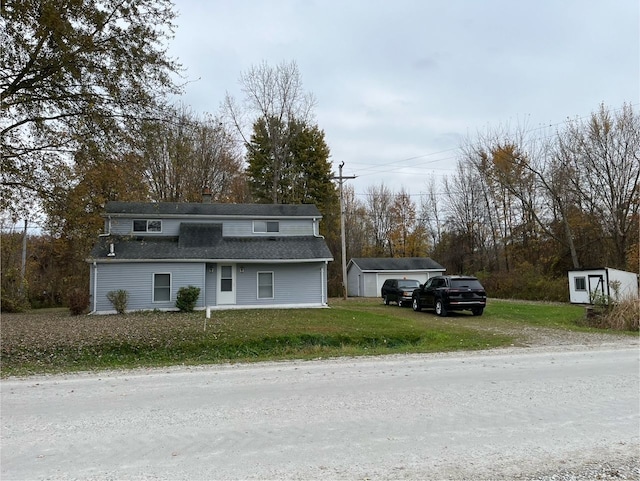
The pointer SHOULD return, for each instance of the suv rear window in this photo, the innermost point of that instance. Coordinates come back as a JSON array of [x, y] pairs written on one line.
[[466, 284], [413, 284]]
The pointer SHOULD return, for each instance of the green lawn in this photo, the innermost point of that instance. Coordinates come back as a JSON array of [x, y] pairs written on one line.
[[54, 341]]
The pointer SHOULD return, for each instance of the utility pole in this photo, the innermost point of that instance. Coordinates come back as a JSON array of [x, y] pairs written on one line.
[[341, 180], [23, 269]]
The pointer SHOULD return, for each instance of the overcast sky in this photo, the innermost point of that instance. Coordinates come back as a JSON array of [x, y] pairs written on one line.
[[400, 84]]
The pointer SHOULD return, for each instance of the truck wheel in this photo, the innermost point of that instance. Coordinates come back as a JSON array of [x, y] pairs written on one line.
[[477, 311], [440, 309], [416, 304]]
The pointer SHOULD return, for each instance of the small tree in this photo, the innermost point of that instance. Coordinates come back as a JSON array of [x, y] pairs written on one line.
[[119, 299], [78, 300], [187, 298]]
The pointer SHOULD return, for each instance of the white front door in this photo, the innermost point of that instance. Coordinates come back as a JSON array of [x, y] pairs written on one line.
[[226, 284]]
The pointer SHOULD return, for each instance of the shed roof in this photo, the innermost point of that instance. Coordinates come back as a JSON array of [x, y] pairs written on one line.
[[183, 208], [396, 264]]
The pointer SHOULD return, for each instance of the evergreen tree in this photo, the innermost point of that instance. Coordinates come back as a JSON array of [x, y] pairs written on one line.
[[299, 175]]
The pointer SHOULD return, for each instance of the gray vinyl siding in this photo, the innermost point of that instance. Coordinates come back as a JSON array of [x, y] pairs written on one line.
[[211, 285], [137, 280], [288, 227], [354, 281], [292, 284], [230, 227]]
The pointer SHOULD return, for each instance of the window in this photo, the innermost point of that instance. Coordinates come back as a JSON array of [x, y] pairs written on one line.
[[143, 225], [161, 287], [226, 278], [266, 226], [580, 283], [265, 285]]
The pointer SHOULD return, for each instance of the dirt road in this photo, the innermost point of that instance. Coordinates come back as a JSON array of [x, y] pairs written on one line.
[[504, 414]]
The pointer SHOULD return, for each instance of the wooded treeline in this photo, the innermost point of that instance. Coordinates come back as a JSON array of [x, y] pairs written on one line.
[[521, 209], [85, 90]]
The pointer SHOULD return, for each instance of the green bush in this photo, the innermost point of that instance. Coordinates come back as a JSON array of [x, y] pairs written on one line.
[[187, 298], [14, 303], [13, 296], [78, 301], [119, 299]]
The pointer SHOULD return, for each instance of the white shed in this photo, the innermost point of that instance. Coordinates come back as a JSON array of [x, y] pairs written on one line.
[[604, 281], [365, 275]]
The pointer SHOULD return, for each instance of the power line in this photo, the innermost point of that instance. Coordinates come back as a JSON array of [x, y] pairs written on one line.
[[393, 167]]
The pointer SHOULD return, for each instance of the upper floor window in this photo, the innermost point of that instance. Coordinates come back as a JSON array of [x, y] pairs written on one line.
[[144, 225], [266, 226]]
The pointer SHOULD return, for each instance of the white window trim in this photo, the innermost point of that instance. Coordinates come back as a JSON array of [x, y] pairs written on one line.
[[273, 287], [153, 287], [266, 227], [146, 231]]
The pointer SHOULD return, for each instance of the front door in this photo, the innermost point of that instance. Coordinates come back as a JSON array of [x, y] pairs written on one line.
[[226, 284]]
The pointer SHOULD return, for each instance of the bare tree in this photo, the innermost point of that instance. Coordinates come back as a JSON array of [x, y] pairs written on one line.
[[466, 219], [604, 155], [430, 214], [356, 224], [524, 189], [379, 202], [408, 234], [184, 154], [275, 96]]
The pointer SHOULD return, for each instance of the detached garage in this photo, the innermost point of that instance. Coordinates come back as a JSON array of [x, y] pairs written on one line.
[[365, 275], [615, 284]]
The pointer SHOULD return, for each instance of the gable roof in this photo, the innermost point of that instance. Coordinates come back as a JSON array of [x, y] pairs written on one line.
[[129, 209], [396, 263]]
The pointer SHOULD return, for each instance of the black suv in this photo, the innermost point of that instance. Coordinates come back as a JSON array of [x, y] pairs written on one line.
[[398, 290], [451, 293]]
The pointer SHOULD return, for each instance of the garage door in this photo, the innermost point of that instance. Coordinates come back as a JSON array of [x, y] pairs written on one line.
[[419, 276]]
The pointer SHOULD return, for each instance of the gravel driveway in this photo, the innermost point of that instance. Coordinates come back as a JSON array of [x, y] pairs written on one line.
[[565, 408]]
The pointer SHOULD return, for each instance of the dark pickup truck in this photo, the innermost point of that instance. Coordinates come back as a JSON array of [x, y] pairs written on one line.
[[450, 293]]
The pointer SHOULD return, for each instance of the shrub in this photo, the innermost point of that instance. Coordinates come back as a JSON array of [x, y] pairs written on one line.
[[119, 299], [12, 303], [187, 298], [525, 283], [78, 301], [13, 294]]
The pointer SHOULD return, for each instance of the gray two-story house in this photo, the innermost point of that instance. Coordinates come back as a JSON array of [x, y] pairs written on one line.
[[239, 255]]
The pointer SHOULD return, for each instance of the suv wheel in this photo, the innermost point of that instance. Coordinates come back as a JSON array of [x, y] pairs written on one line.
[[440, 309], [416, 304], [399, 303], [477, 311], [385, 300]]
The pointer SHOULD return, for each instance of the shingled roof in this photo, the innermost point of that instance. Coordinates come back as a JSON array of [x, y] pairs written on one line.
[[237, 210], [198, 248], [396, 264]]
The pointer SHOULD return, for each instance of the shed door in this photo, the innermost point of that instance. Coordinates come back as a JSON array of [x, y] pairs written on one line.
[[226, 292], [596, 286]]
